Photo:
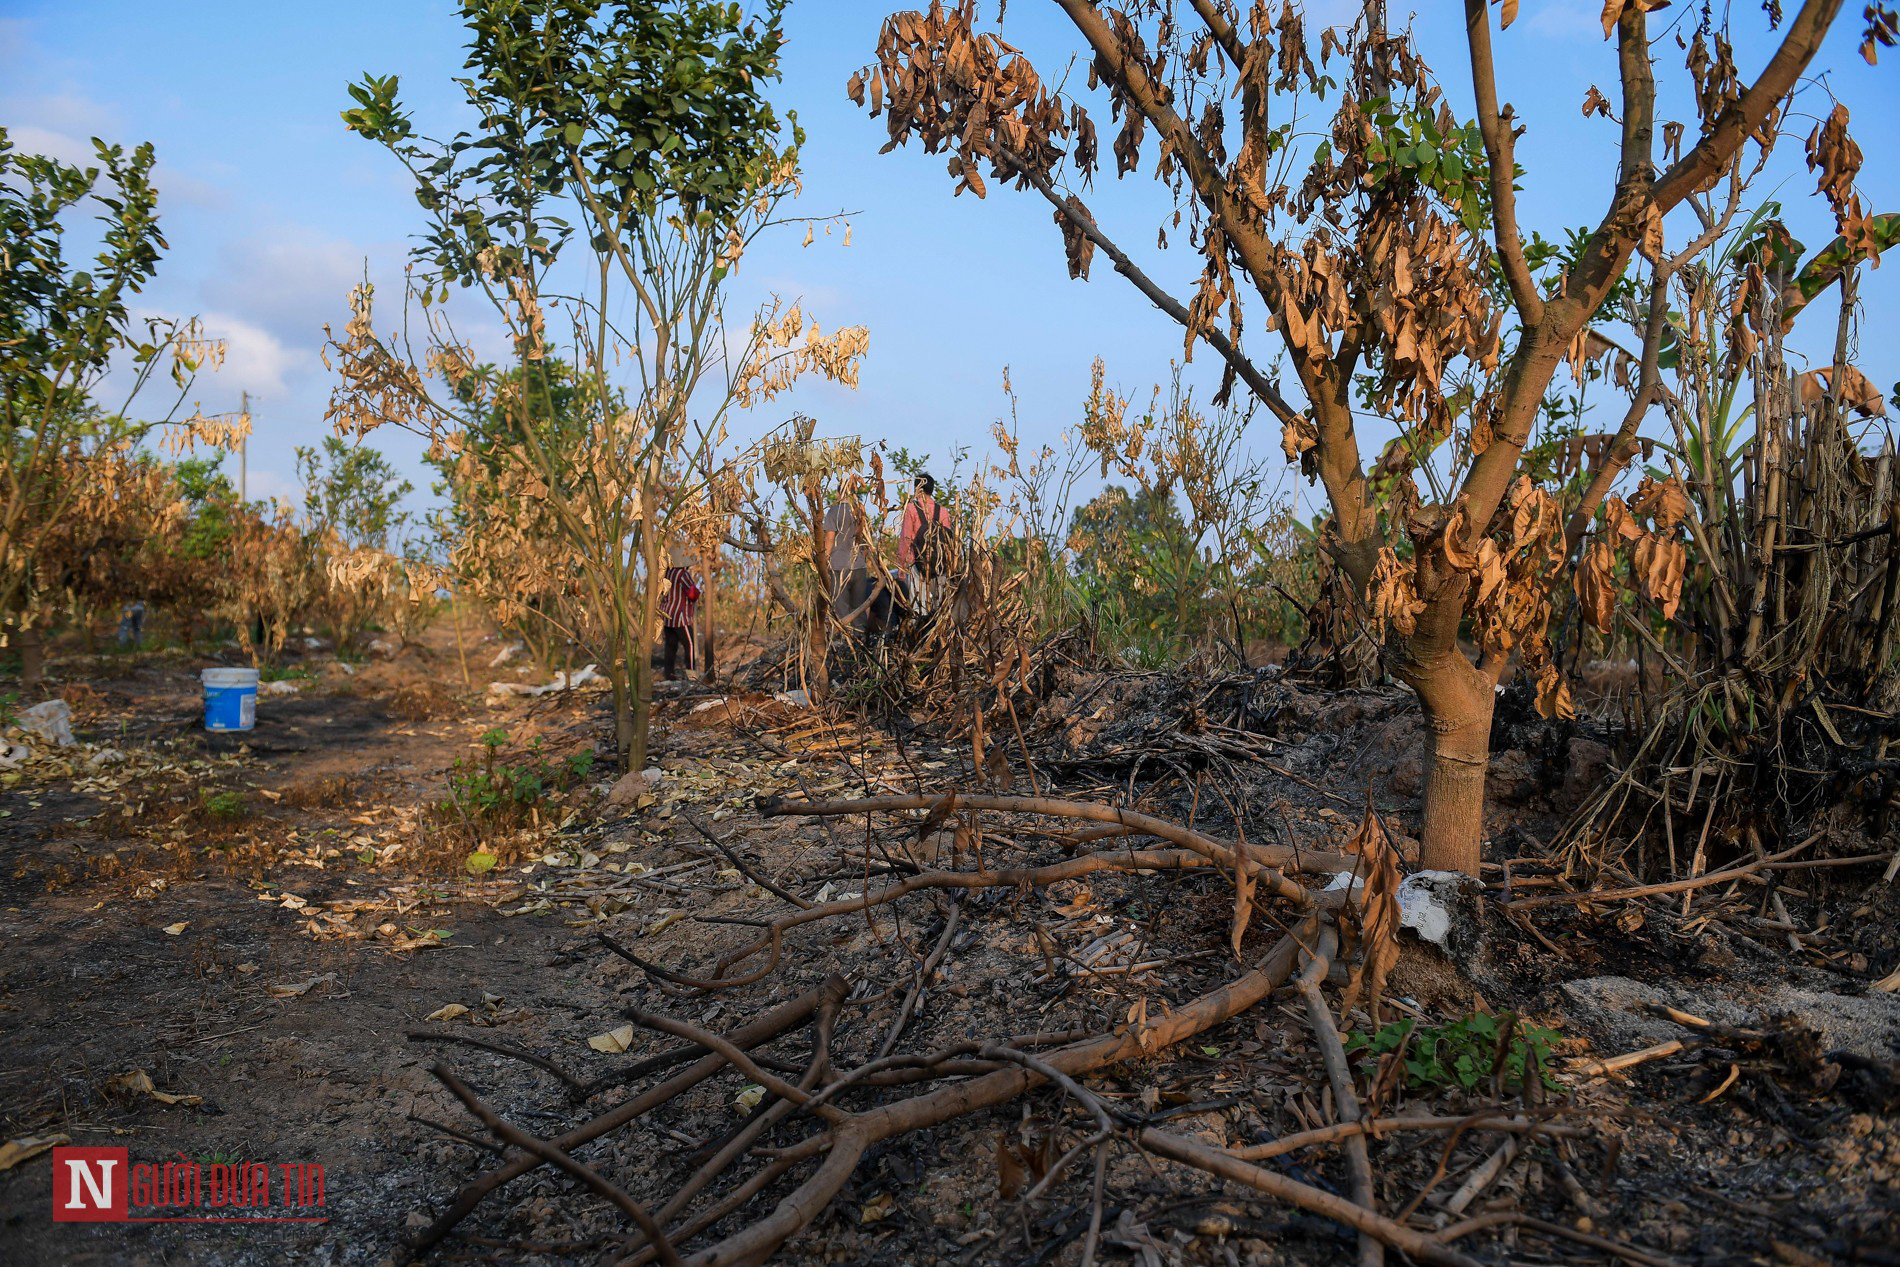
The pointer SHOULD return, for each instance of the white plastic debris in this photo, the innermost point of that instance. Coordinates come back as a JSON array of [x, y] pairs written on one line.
[[563, 681], [51, 721], [1429, 904], [280, 687], [506, 654], [797, 699]]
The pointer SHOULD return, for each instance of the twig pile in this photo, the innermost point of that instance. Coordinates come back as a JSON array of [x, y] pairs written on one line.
[[816, 1117]]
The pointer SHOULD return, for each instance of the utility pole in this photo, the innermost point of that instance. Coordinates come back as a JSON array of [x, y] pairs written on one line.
[[244, 454]]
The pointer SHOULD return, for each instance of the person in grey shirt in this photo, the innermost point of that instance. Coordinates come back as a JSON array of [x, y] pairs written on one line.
[[851, 583]]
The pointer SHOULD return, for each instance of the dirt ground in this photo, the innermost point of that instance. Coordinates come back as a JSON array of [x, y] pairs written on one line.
[[258, 925]]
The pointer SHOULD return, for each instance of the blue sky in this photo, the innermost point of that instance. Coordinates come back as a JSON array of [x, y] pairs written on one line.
[[273, 210]]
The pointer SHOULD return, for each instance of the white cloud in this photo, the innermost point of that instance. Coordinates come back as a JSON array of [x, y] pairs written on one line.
[[290, 281], [175, 185], [67, 112], [30, 139], [265, 485], [255, 360]]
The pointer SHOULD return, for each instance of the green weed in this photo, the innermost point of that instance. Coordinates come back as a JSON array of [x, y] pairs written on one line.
[[1466, 1053], [224, 806], [494, 792]]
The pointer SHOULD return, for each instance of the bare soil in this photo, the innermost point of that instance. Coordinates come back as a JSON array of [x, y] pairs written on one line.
[[334, 914]]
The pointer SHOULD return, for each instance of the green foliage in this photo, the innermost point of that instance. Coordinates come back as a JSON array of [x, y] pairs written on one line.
[[353, 491], [493, 792], [285, 673], [210, 504], [1409, 145], [62, 323], [224, 806], [656, 103], [1139, 569], [1466, 1053]]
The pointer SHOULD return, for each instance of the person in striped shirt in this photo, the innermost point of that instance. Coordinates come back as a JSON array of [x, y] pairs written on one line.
[[678, 600]]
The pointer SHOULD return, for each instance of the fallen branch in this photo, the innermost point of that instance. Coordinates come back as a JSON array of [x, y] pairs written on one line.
[[1417, 1245], [1269, 859], [554, 1154], [1345, 1100], [1736, 872], [770, 1025]]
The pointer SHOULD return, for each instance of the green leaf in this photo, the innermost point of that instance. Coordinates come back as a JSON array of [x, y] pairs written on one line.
[[481, 861]]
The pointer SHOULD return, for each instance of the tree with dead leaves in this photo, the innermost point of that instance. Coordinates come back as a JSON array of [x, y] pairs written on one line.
[[1395, 279], [627, 157], [62, 324]]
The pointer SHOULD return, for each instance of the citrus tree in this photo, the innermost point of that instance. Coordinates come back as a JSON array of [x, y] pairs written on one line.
[[1385, 262], [63, 323], [625, 159]]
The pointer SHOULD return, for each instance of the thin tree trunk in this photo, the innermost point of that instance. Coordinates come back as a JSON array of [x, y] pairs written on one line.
[[623, 723], [32, 655], [818, 641], [709, 671], [640, 643]]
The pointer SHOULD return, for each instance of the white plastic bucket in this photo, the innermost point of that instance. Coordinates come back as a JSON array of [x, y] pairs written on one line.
[[230, 699]]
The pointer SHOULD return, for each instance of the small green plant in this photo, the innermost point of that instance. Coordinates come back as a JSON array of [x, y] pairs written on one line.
[[224, 806], [285, 673], [496, 792], [1466, 1053]]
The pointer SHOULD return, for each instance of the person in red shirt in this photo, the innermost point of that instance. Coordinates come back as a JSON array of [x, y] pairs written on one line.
[[926, 543], [678, 600]]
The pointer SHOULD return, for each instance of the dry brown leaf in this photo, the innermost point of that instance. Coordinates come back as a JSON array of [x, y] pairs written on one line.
[[1553, 694], [614, 1041], [1660, 566], [1613, 11], [1395, 602], [15, 1151], [138, 1082], [1378, 914], [300, 988], [1596, 585], [447, 1012]]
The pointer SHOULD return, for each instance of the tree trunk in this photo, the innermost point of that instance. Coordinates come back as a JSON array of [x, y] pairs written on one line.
[[708, 666], [818, 623], [1457, 699], [641, 642], [32, 656], [623, 723], [1455, 761]]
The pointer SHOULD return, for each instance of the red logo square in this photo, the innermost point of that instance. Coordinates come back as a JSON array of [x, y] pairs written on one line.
[[89, 1184]]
